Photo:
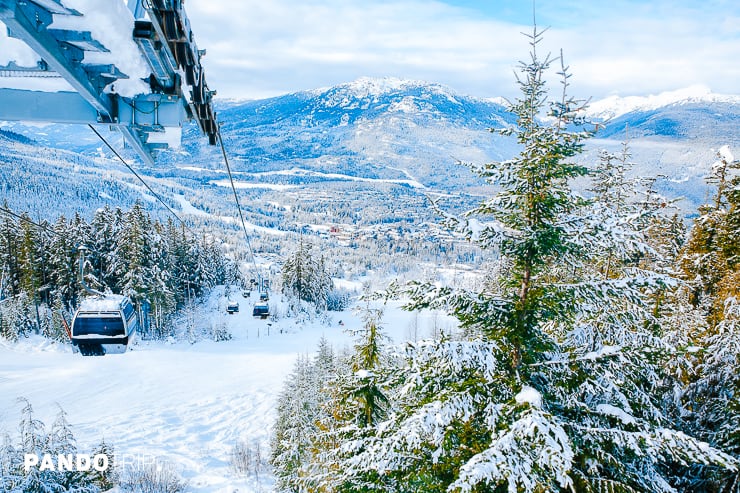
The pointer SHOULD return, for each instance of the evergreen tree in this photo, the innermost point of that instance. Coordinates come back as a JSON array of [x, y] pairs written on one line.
[[712, 398], [554, 387], [63, 260], [306, 278], [298, 412], [9, 257], [107, 479], [355, 403], [8, 464], [105, 228], [33, 439], [366, 398], [710, 254], [29, 257], [61, 441], [181, 264], [710, 264]]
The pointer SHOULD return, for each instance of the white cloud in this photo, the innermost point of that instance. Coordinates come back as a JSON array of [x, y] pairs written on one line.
[[12, 49], [258, 49], [282, 47]]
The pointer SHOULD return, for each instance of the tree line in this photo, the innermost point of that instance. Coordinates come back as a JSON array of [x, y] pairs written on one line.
[[127, 252]]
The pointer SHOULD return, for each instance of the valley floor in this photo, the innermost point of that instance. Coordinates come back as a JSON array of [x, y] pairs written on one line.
[[186, 404]]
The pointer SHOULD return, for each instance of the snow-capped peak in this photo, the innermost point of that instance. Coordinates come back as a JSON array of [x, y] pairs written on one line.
[[374, 87], [614, 106], [370, 86]]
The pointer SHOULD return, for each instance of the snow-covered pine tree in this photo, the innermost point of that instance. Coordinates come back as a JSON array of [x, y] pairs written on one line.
[[107, 479], [105, 228], [9, 245], [63, 265], [524, 404], [29, 259], [704, 258], [305, 276], [61, 441], [300, 409], [32, 441], [367, 401], [8, 463], [181, 263], [355, 403], [712, 398], [134, 248], [712, 266]]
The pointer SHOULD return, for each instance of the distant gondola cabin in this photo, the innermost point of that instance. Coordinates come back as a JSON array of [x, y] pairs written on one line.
[[261, 310]]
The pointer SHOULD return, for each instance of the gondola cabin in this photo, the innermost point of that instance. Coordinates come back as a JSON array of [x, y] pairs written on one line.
[[261, 310], [104, 324]]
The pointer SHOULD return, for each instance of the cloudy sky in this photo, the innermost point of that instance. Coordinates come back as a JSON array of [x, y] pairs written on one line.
[[625, 47], [259, 48]]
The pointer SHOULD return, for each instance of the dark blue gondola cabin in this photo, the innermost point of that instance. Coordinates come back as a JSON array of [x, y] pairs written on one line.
[[104, 324]]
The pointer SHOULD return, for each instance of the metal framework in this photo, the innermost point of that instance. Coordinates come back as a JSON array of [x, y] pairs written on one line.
[[165, 41]]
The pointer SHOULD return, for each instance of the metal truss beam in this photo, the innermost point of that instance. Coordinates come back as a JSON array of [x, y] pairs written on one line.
[[165, 42], [37, 106], [138, 118], [149, 112], [15, 15]]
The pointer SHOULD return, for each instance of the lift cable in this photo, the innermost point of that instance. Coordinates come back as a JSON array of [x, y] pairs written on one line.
[[157, 196], [132, 170], [7, 211], [236, 198]]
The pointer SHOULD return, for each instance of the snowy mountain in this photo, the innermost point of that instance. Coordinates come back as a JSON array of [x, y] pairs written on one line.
[[371, 136], [615, 106], [693, 113], [373, 128], [394, 129]]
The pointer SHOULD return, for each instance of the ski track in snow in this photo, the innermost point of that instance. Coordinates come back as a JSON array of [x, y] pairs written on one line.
[[181, 403]]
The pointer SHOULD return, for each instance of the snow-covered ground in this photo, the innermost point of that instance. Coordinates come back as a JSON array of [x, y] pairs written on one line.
[[187, 404]]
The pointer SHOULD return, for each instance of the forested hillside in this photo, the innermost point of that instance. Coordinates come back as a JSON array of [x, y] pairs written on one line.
[[126, 253]]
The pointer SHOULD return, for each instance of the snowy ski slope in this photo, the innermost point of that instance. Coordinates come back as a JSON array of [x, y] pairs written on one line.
[[186, 404]]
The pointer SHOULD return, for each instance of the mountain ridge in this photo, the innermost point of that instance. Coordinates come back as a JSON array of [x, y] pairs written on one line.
[[616, 106], [391, 132]]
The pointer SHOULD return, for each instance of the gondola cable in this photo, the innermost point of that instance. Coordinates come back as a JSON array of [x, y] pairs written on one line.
[[8, 212], [236, 198], [132, 170]]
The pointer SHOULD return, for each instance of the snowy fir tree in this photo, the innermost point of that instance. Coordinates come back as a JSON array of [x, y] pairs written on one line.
[[558, 383], [108, 478], [712, 273], [300, 409], [355, 402], [711, 256], [33, 439], [305, 276]]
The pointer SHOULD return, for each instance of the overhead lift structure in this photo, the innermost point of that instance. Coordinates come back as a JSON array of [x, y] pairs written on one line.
[[177, 90]]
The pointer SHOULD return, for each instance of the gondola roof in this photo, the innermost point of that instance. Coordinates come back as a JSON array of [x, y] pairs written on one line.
[[107, 303]]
